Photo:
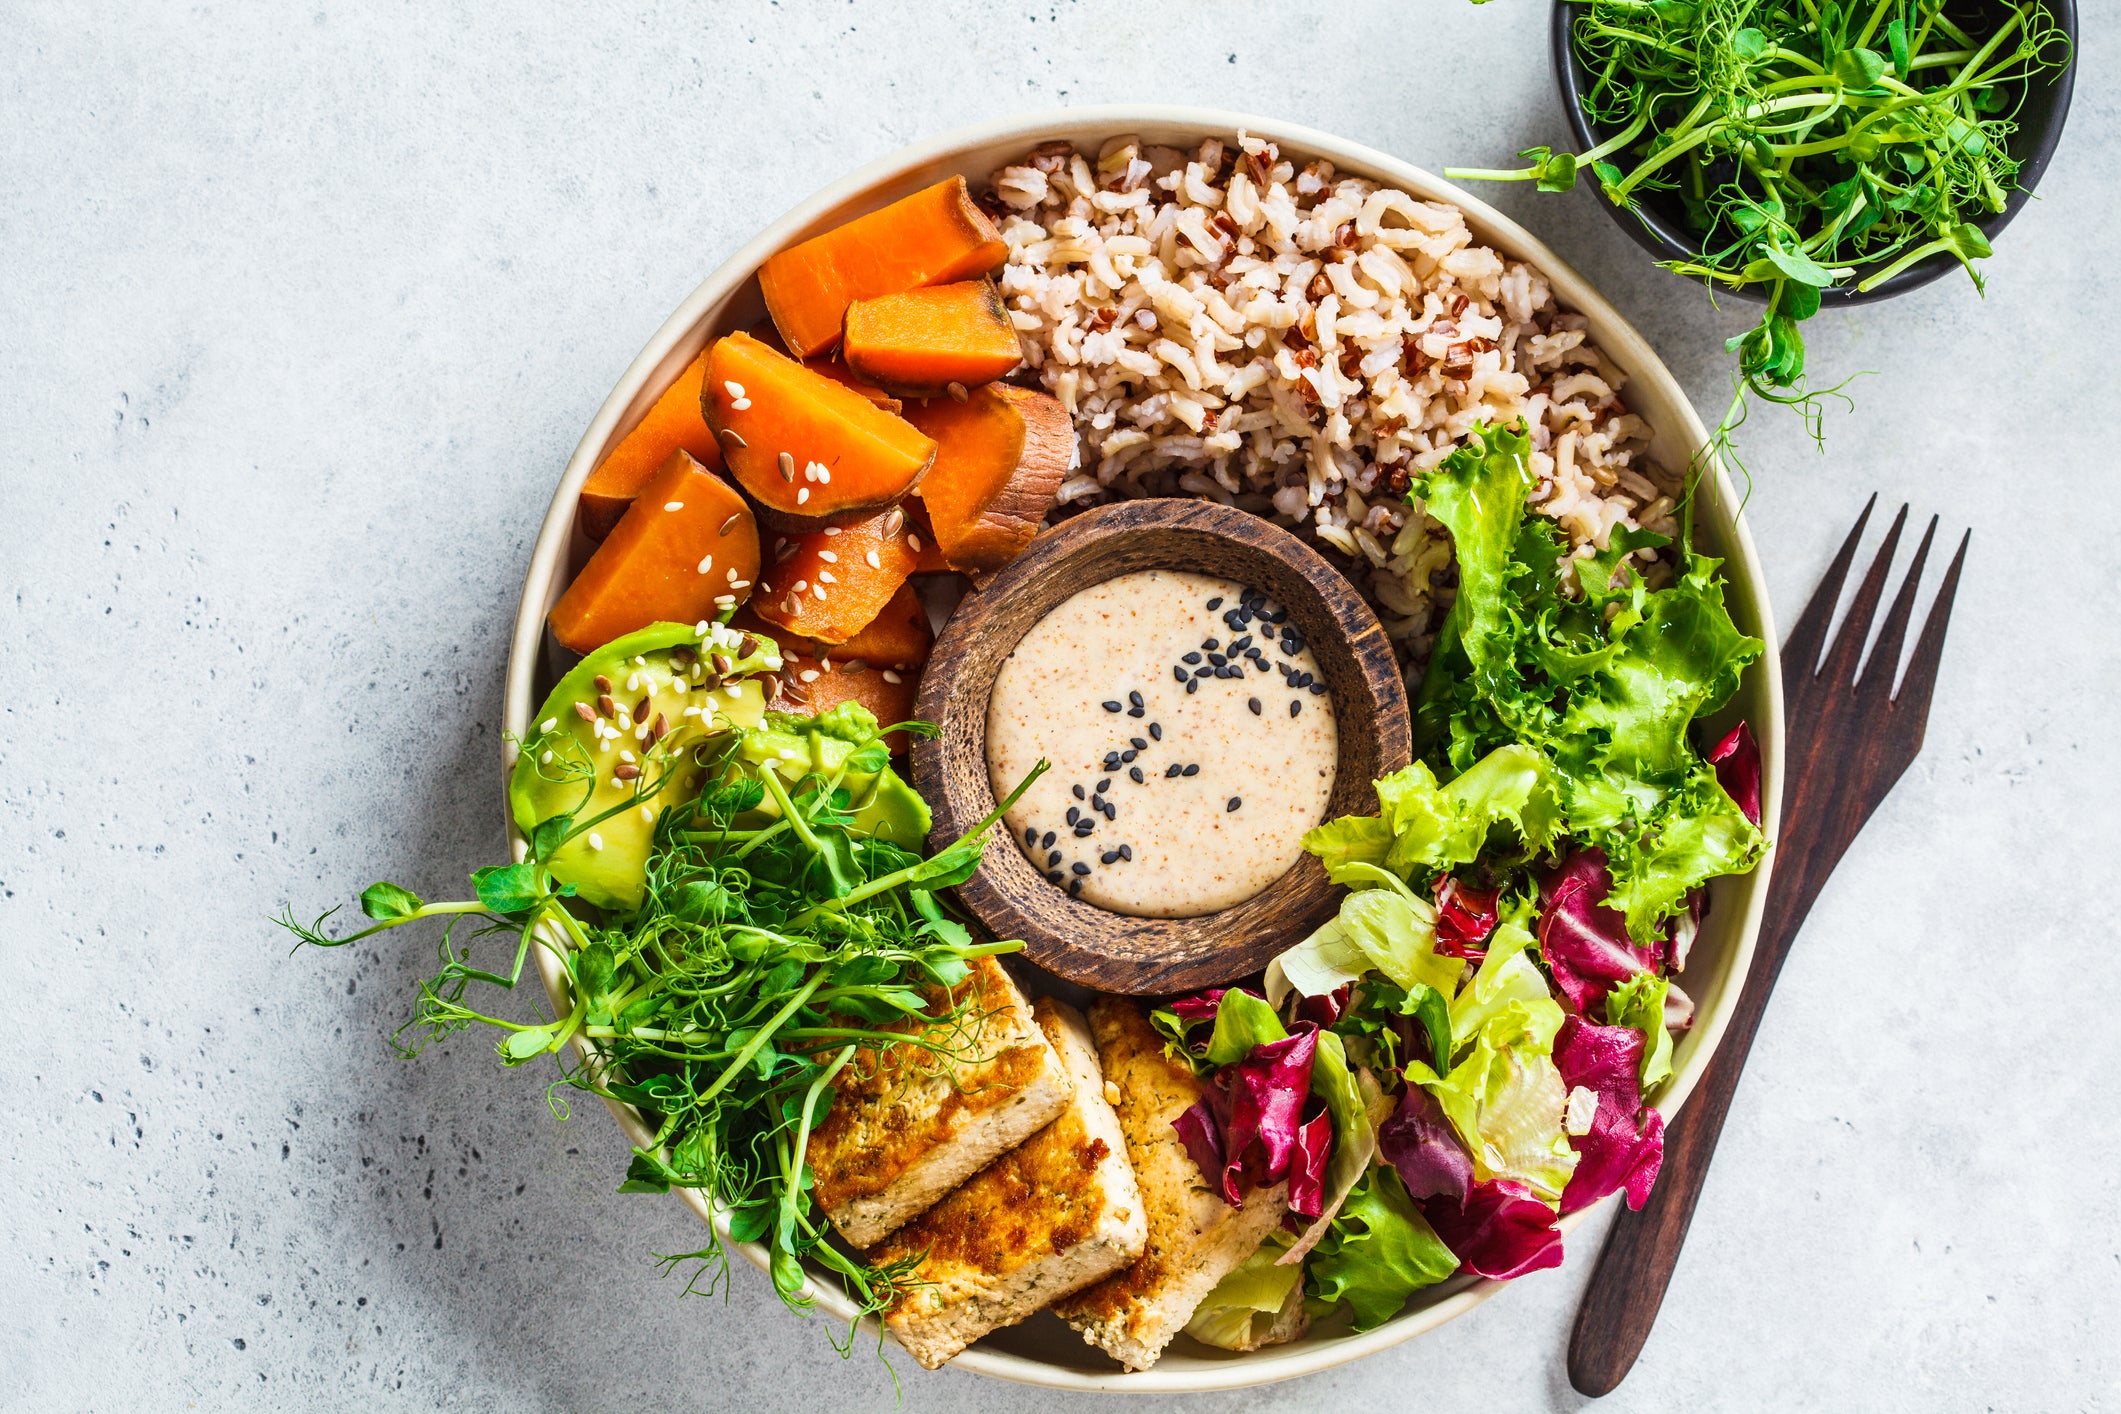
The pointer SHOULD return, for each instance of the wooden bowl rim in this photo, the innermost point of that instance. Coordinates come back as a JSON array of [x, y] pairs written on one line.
[[1091, 946]]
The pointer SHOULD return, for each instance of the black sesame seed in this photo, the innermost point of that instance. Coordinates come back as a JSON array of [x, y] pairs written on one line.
[[1129, 754], [1138, 743], [1318, 689], [1189, 657], [1232, 671], [1235, 801], [1217, 659], [1126, 852], [1075, 816], [1105, 784], [1054, 876], [1075, 887], [1192, 686], [1241, 644], [1110, 856], [1211, 643], [1135, 698], [1079, 868], [1053, 858], [1192, 770], [1179, 673], [1234, 620], [1305, 679], [1278, 616], [1171, 770], [1078, 792], [1252, 702], [1047, 842], [1083, 830], [1135, 772], [1031, 835], [1216, 602], [1156, 733], [1111, 706], [1204, 673], [1112, 760], [1136, 711], [1296, 704], [1111, 811]]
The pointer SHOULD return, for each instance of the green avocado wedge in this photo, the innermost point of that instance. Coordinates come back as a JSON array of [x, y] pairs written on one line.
[[615, 738], [844, 744]]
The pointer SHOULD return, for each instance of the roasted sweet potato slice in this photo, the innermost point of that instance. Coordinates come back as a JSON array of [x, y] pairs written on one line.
[[898, 637], [839, 372], [829, 584], [811, 685], [921, 536], [674, 422], [1002, 454], [809, 450], [921, 341], [929, 238], [685, 549]]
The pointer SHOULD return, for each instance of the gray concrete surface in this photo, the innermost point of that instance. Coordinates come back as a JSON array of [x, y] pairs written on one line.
[[302, 310]]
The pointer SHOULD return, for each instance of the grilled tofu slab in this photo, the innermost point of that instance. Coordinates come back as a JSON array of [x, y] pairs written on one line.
[[1195, 1238], [912, 1125], [1055, 1214]]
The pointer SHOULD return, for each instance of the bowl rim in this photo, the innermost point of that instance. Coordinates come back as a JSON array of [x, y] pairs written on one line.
[[1071, 939], [1648, 229], [683, 334]]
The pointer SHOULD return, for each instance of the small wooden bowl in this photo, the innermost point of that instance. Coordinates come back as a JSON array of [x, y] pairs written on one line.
[[1116, 952]]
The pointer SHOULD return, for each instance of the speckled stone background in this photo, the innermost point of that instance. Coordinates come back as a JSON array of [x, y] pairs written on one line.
[[302, 309]]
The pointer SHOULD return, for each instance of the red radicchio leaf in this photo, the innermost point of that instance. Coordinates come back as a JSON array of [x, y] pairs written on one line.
[[1500, 1231], [1418, 1141], [1307, 1174], [1198, 1007], [1246, 1121], [1324, 1011], [1464, 918], [1737, 762], [1625, 1144], [1585, 943]]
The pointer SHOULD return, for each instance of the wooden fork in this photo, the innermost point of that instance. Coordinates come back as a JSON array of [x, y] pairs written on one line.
[[1850, 736]]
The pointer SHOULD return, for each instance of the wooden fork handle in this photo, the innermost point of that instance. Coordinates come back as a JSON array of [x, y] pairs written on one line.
[[1627, 1287]]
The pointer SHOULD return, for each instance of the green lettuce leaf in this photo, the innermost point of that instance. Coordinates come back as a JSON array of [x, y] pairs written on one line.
[[1238, 1312], [1507, 1100], [1379, 1251], [1639, 1003], [1242, 1021]]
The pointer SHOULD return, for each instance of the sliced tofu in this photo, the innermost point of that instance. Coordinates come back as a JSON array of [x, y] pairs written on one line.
[[1052, 1216], [1195, 1238], [911, 1126]]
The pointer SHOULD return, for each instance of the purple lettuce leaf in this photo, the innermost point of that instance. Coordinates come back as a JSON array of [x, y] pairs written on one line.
[[1307, 1171], [1624, 1146], [1586, 944], [1500, 1231], [1464, 919], [1420, 1143], [1737, 762], [1245, 1124]]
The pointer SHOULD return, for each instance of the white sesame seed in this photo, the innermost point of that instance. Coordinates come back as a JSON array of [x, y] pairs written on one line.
[[830, 557], [617, 784], [801, 585], [824, 475], [640, 733], [735, 390], [693, 711], [633, 682], [545, 758], [679, 685], [701, 628], [740, 404], [874, 562], [639, 661], [673, 505], [735, 584], [626, 756], [625, 720], [647, 814], [827, 577], [802, 494], [825, 663], [725, 601], [707, 564], [733, 690], [810, 471], [596, 841], [548, 724], [819, 591], [808, 675], [913, 542], [892, 677], [832, 530], [604, 743]]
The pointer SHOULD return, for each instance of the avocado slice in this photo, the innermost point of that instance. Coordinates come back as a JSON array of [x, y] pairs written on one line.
[[594, 747], [846, 739]]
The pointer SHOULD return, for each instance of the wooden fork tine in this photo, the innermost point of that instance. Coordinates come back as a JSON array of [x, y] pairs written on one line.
[[1883, 665], [1800, 654], [1911, 706], [1847, 650]]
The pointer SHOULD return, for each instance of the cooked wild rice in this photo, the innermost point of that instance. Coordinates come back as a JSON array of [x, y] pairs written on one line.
[[1301, 344]]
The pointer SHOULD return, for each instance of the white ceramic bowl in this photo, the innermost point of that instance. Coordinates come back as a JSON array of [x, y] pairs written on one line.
[[1042, 1351]]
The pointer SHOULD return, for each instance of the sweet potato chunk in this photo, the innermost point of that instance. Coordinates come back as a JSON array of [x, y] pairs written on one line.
[[1003, 453], [809, 450], [921, 536], [839, 372], [685, 547], [898, 637], [829, 584], [929, 238], [674, 422], [810, 685], [924, 340]]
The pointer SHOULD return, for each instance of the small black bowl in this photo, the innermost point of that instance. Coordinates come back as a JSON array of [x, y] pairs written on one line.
[[1658, 223]]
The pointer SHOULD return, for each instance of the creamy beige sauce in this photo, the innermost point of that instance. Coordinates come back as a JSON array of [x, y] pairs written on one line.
[[1234, 762]]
